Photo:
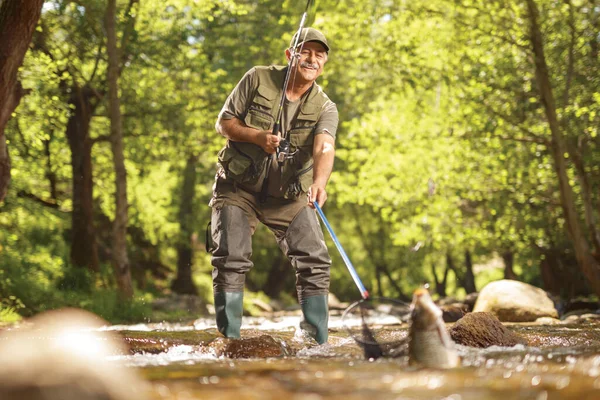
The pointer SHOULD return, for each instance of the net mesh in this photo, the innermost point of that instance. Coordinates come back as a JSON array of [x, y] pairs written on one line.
[[375, 325]]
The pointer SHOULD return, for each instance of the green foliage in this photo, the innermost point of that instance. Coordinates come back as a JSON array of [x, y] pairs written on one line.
[[443, 144]]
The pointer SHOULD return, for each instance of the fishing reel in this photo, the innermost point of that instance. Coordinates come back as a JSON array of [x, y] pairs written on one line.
[[283, 152]]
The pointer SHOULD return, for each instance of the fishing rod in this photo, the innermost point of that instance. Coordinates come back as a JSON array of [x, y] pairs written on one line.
[[363, 291], [284, 145]]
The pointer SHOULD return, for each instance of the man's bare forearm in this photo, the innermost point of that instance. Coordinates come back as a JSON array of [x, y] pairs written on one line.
[[323, 156], [235, 130]]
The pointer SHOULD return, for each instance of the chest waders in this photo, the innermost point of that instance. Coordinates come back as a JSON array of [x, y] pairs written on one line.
[[302, 242]]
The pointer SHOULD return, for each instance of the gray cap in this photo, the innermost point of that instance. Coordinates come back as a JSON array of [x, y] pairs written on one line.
[[311, 35]]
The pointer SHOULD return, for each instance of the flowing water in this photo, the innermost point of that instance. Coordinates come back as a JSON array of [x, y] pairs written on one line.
[[180, 362]]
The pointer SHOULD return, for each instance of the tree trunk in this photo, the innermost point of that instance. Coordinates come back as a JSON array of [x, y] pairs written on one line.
[[84, 247], [378, 280], [183, 283], [120, 259], [588, 264], [440, 285], [17, 24], [469, 281], [399, 294], [509, 258]]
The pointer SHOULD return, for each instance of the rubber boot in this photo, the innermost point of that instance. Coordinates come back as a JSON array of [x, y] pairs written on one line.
[[229, 308], [316, 315]]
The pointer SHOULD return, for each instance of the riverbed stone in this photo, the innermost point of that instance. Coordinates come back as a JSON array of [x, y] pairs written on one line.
[[453, 312], [514, 301], [263, 346], [483, 329], [548, 321]]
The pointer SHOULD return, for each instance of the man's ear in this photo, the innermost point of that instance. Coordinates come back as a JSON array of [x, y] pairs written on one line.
[[288, 54]]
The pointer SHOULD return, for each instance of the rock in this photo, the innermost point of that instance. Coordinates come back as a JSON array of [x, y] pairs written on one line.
[[483, 329], [515, 301], [453, 312], [577, 313], [62, 354], [547, 321], [571, 319], [334, 303], [261, 305], [263, 346], [590, 316], [444, 301]]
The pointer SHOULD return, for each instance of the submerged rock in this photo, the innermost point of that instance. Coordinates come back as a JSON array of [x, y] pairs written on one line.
[[482, 329], [263, 346], [514, 301]]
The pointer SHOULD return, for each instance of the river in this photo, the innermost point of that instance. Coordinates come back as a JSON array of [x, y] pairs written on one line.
[[183, 362]]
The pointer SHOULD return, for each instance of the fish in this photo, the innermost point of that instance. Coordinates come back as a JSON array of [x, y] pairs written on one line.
[[429, 343]]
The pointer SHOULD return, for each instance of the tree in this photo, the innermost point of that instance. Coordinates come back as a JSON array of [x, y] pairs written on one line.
[[119, 255], [589, 265], [17, 23], [183, 282]]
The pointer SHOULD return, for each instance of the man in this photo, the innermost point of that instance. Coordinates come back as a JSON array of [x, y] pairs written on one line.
[[294, 180]]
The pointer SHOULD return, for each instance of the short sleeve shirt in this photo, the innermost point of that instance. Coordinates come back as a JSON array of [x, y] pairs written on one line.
[[240, 98]]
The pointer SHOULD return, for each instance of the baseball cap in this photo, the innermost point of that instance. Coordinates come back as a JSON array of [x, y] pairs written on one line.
[[310, 35]]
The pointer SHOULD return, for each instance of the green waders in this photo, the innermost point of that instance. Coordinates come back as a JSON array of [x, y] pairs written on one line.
[[235, 216]]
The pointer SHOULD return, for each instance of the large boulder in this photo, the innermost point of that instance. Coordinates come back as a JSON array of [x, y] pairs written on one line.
[[482, 329], [514, 301]]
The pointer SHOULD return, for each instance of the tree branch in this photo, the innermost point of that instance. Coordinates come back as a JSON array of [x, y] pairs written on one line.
[[533, 138], [31, 196]]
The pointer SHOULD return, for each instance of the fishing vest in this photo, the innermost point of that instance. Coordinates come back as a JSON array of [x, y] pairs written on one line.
[[245, 163]]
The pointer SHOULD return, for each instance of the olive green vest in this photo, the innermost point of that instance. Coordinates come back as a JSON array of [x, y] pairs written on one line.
[[245, 163]]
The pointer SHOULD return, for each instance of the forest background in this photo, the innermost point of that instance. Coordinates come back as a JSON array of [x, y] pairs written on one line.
[[467, 151]]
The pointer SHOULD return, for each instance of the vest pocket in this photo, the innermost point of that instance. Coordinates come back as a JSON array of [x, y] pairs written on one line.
[[300, 182], [234, 163], [259, 119], [243, 162]]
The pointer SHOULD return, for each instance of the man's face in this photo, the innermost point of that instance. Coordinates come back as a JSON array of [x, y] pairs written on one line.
[[312, 59]]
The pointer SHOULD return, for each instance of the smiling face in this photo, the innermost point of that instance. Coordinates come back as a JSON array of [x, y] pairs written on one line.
[[309, 67]]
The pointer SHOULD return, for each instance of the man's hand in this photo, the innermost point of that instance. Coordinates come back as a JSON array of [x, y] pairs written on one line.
[[317, 193], [268, 141]]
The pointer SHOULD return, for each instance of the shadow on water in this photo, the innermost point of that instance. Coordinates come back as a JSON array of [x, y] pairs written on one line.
[[271, 362]]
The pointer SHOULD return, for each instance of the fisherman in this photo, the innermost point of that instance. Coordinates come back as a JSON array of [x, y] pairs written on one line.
[[250, 188]]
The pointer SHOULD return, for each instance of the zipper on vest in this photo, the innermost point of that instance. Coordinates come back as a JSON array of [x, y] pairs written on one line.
[[305, 170]]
